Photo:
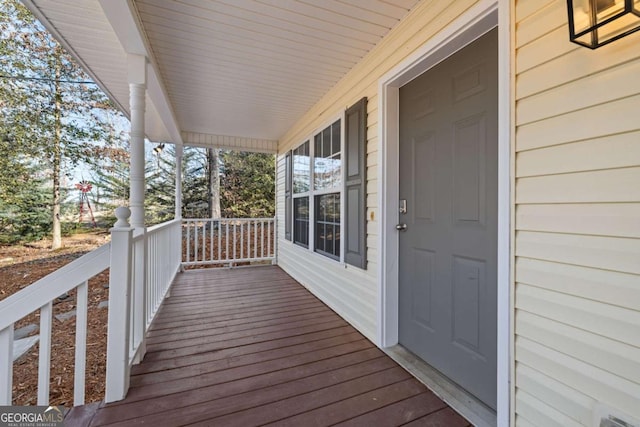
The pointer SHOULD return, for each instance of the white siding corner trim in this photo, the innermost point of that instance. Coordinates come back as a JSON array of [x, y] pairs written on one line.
[[476, 21]]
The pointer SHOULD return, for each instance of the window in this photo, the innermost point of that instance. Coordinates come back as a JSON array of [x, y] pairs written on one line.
[[301, 187], [318, 189], [316, 182], [327, 171]]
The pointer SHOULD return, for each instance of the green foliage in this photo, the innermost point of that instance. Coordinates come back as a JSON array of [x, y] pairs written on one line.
[[194, 183], [25, 215], [247, 185], [51, 118], [161, 188], [110, 179]]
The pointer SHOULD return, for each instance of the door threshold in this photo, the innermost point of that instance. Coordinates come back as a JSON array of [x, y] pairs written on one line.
[[452, 394]]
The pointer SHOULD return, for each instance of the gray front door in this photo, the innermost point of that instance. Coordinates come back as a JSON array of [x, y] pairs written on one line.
[[449, 179]]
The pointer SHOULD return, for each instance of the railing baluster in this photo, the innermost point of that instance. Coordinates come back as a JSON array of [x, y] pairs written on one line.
[[195, 240], [255, 239], [249, 240], [211, 239], [204, 240], [261, 239], [6, 365], [153, 272], [44, 358], [241, 239], [235, 240], [160, 260], [188, 242], [219, 231], [227, 240], [82, 295], [269, 238]]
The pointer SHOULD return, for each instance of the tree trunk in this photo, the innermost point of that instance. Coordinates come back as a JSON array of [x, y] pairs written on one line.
[[213, 172], [57, 160]]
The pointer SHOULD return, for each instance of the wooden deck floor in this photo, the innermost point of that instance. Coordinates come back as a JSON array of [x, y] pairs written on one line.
[[248, 347]]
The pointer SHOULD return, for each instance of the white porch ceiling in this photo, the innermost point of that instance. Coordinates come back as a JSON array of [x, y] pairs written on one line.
[[242, 68]]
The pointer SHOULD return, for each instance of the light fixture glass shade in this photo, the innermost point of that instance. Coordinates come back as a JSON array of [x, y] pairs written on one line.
[[594, 23]]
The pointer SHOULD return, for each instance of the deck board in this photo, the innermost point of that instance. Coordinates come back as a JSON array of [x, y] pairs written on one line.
[[243, 347]]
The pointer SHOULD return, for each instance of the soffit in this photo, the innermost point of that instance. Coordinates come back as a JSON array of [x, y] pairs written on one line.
[[243, 68]]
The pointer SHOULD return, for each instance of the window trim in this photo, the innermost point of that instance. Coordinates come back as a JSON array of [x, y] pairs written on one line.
[[306, 194], [288, 196]]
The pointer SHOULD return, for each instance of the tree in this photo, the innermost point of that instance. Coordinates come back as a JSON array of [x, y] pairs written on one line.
[[161, 190], [194, 184], [247, 185], [213, 178], [110, 177], [24, 210], [52, 113]]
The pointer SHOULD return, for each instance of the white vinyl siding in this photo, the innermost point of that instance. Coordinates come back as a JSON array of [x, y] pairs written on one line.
[[351, 291], [577, 220]]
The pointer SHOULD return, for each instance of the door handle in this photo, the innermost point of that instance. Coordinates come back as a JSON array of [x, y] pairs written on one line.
[[401, 227]]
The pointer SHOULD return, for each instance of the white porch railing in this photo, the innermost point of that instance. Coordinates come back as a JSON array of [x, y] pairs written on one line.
[[163, 262], [228, 241], [143, 264], [142, 270], [40, 296], [142, 267]]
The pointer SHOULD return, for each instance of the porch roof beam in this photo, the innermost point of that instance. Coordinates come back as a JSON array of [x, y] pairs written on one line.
[[237, 143]]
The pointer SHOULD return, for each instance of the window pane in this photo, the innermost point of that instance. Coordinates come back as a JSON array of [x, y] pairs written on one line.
[[335, 137], [327, 163], [301, 169], [327, 225], [326, 142], [317, 143], [301, 221]]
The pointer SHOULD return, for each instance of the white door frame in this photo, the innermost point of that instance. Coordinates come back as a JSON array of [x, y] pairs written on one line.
[[476, 21]]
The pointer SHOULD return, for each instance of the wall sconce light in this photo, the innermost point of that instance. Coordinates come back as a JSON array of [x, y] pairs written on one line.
[[595, 23], [158, 148]]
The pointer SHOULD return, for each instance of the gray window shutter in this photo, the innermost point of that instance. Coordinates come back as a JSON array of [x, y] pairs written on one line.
[[355, 185], [288, 184]]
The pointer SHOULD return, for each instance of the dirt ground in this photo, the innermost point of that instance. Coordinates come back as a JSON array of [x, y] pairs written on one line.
[[20, 266]]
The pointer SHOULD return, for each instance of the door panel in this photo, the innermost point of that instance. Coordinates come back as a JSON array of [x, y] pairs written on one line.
[[421, 297], [469, 167], [448, 175], [424, 155]]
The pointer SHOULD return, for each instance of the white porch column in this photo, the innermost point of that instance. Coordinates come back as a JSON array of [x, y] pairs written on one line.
[[179, 151], [137, 74]]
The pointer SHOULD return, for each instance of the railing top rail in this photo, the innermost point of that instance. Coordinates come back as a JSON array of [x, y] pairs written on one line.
[[159, 227], [226, 219], [53, 285]]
